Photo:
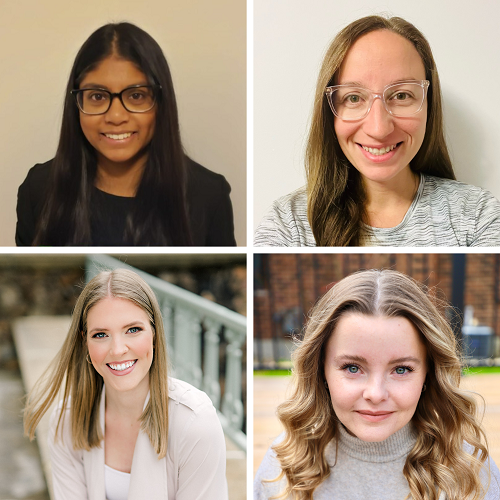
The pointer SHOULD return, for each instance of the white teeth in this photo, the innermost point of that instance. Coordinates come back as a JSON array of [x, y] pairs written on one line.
[[122, 366], [119, 137], [381, 151]]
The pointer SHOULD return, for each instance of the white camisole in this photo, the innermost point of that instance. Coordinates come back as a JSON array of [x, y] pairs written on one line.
[[116, 483]]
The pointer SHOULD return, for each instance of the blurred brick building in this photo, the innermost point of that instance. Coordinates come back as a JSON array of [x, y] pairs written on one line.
[[288, 285]]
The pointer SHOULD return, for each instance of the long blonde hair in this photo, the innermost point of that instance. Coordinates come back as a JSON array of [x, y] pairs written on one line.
[[445, 418], [83, 385], [334, 189]]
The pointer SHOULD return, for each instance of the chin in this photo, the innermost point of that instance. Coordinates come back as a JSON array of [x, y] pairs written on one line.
[[379, 173], [373, 435]]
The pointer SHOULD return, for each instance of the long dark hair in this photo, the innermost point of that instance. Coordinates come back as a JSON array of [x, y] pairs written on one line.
[[160, 215], [335, 192]]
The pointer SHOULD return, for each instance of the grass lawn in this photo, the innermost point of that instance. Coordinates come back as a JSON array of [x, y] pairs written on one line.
[[476, 370], [481, 370], [272, 373]]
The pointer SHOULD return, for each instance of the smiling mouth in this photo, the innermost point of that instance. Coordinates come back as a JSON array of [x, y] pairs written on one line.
[[375, 413], [380, 151], [119, 367], [119, 137]]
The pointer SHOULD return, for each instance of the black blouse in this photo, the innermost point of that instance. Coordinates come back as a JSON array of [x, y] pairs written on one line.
[[209, 209]]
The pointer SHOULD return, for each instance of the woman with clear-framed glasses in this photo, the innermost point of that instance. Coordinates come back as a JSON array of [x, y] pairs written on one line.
[[120, 175], [377, 164]]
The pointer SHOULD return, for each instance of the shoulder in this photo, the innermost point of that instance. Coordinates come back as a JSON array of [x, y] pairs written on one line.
[[63, 442], [56, 414], [209, 207], [269, 469], [473, 213], [453, 191], [191, 413], [180, 392], [490, 475], [35, 185], [294, 202], [286, 223], [494, 480], [200, 179], [194, 427], [39, 174]]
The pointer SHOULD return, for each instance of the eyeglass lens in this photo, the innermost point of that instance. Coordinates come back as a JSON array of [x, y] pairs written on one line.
[[135, 100], [353, 103]]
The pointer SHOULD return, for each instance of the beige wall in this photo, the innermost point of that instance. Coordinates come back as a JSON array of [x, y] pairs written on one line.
[[205, 45]]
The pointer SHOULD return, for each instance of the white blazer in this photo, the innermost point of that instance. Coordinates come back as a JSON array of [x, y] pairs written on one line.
[[193, 469]]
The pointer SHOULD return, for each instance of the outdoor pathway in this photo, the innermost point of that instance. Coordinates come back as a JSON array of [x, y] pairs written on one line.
[[21, 475]]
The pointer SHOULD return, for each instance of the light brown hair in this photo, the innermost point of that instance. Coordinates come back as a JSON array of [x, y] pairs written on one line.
[[445, 418], [335, 195], [83, 385]]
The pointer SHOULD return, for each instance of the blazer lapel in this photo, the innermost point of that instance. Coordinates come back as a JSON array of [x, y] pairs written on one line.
[[149, 474], [93, 462], [148, 478]]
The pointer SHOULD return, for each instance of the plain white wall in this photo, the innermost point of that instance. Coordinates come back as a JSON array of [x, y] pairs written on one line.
[[205, 46], [290, 39]]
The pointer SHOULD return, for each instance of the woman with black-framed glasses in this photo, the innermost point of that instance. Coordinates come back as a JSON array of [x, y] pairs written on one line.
[[377, 164], [120, 175]]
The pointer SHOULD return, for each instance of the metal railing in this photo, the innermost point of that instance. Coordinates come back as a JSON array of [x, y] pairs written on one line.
[[197, 330]]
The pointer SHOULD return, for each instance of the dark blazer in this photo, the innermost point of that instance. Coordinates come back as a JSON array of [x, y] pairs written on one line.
[[209, 207]]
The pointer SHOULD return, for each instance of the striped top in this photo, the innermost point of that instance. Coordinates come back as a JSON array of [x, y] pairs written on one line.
[[444, 213]]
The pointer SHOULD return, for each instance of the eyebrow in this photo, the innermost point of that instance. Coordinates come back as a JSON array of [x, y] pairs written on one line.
[[99, 86], [359, 84], [361, 359], [133, 323]]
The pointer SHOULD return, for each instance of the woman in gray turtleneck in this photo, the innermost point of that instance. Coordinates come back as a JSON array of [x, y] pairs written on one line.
[[376, 410]]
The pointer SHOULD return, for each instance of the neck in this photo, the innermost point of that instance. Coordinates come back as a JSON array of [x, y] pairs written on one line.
[[127, 404], [120, 179], [387, 202], [396, 445]]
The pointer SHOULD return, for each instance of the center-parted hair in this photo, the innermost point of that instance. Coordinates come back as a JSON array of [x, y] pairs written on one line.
[[160, 215], [446, 416], [335, 193], [83, 385]]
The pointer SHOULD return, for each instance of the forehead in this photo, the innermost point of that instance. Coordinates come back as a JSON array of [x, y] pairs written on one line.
[[378, 339], [380, 58], [114, 73], [114, 309]]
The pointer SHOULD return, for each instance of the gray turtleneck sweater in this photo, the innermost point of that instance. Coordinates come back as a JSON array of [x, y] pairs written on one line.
[[363, 471]]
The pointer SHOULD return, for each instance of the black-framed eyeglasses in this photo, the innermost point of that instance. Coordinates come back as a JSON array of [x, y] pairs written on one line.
[[136, 99]]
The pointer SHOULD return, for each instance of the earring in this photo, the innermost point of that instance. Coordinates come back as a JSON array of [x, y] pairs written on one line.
[[424, 387], [88, 360]]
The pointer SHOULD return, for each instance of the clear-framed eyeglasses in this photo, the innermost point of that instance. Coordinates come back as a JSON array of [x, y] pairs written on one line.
[[136, 99], [400, 99]]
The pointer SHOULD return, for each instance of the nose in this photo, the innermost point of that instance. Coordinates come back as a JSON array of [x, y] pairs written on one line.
[[378, 123], [375, 390], [118, 346], [116, 113]]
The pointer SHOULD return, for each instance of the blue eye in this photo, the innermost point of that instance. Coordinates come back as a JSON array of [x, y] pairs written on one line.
[[99, 335], [352, 369], [402, 370], [134, 329]]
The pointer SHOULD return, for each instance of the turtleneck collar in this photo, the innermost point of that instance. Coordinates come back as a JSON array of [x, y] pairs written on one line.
[[393, 448]]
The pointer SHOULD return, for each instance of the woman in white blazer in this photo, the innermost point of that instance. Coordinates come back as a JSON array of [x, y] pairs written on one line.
[[124, 430]]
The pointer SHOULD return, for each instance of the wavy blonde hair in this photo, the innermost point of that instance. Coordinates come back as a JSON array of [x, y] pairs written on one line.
[[335, 195], [445, 418], [83, 385]]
